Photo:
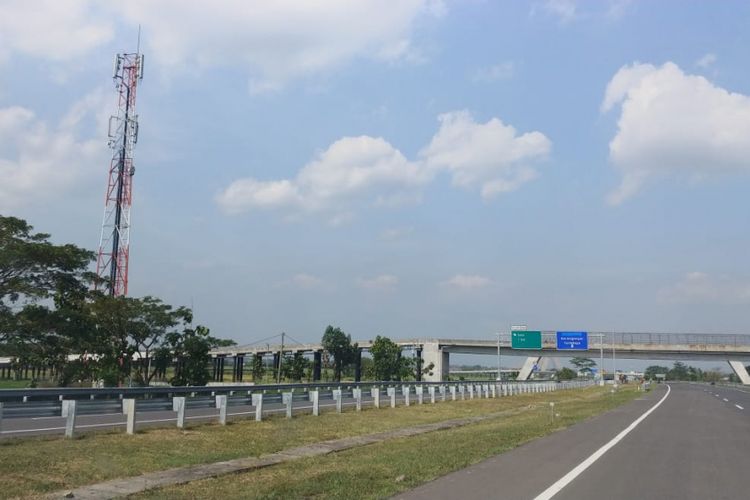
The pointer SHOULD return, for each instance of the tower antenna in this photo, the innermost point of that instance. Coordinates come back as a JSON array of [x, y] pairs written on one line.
[[114, 244]]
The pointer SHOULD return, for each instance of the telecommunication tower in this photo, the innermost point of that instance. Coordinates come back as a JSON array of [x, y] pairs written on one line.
[[114, 243]]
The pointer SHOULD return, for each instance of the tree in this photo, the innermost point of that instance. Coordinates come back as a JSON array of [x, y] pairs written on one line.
[[259, 369], [339, 345], [651, 371], [190, 349], [679, 371], [387, 361], [294, 366], [584, 365], [566, 374]]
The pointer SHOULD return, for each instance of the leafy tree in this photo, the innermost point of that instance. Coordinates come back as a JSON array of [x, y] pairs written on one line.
[[651, 371], [566, 374], [190, 349], [259, 369], [679, 371], [584, 365], [339, 345], [388, 364], [294, 366]]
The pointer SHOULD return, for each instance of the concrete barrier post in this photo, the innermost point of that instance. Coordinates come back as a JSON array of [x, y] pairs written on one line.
[[70, 420], [462, 391], [258, 404], [453, 392], [375, 393], [431, 391], [471, 391], [178, 404], [420, 394], [358, 398], [443, 392], [406, 391], [221, 402], [1, 417], [337, 399], [286, 398], [391, 391], [315, 399], [64, 409], [493, 389], [130, 412]]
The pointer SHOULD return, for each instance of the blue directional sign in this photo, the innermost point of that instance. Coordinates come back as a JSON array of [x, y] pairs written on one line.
[[572, 341]]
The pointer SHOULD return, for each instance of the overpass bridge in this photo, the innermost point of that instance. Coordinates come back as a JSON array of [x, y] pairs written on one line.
[[732, 348]]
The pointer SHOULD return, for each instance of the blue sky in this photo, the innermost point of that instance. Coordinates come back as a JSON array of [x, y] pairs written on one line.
[[412, 169]]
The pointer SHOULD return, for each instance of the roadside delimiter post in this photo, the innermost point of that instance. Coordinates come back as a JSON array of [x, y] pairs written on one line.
[[178, 403], [337, 398], [357, 398], [70, 419], [453, 392], [431, 389], [375, 392], [286, 398], [315, 398], [420, 394], [405, 390], [130, 411], [392, 394], [258, 404], [221, 403]]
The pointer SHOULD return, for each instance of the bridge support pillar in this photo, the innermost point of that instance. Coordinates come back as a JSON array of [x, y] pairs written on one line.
[[439, 358], [740, 371], [418, 374], [317, 362], [358, 366], [528, 367]]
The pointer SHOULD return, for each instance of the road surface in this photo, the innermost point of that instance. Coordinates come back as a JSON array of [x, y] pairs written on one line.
[[694, 445]]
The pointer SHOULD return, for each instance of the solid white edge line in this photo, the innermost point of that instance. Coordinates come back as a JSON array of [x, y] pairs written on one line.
[[738, 406], [570, 476]]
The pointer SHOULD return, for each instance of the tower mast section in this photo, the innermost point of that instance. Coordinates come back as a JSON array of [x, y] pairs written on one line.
[[114, 243]]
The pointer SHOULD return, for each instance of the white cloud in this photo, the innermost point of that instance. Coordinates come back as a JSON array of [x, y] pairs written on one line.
[[306, 281], [277, 41], [702, 288], [367, 170], [489, 155], [381, 282], [564, 10], [706, 61], [39, 162], [674, 125], [352, 169], [51, 29], [502, 71], [467, 282]]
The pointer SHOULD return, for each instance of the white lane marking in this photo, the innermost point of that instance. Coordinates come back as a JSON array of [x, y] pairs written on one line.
[[716, 395], [725, 399], [570, 476], [738, 406]]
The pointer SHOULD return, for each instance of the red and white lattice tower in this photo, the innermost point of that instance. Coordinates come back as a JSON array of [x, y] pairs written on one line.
[[114, 244]]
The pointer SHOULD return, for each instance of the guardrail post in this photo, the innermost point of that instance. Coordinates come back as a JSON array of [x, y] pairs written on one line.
[[130, 412], [64, 408], [453, 392], [431, 390], [486, 391], [1, 417], [420, 394], [221, 404], [315, 399], [375, 392], [471, 391], [258, 404], [405, 390], [462, 391], [391, 391], [178, 404], [286, 398], [70, 421], [337, 398], [493, 388], [357, 393], [442, 392]]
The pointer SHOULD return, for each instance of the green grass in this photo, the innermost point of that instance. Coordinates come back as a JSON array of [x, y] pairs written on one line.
[[14, 384], [37, 465], [384, 469]]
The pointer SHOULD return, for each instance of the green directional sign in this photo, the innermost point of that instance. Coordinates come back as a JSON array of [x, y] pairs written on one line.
[[526, 339]]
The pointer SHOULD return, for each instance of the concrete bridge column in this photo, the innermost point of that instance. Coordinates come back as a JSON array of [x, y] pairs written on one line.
[[740, 371], [317, 362], [418, 374], [440, 358], [528, 367], [358, 366]]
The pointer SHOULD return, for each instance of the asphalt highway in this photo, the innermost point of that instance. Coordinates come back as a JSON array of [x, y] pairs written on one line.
[[689, 442]]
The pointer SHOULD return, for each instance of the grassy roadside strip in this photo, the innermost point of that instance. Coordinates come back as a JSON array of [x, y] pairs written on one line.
[[38, 465], [383, 469]]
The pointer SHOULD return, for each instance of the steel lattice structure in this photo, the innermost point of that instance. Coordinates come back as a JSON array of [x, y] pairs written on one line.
[[114, 243]]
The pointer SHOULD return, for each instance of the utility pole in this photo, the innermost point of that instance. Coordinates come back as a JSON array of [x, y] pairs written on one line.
[[499, 376], [281, 358], [614, 369], [601, 359]]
